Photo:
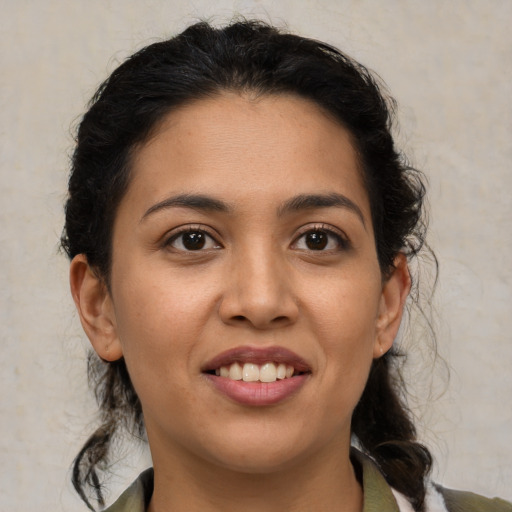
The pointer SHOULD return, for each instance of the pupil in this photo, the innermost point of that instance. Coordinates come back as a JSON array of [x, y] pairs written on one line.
[[193, 241], [316, 240]]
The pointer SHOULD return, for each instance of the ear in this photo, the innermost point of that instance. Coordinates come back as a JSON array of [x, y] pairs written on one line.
[[394, 294], [95, 307]]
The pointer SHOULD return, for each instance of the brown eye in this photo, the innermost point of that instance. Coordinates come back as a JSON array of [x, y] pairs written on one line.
[[192, 240], [316, 240], [321, 239]]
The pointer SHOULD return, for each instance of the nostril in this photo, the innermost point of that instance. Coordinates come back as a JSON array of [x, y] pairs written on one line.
[[276, 320]]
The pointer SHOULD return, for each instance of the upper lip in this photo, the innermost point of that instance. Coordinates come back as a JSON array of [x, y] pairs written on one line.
[[257, 355]]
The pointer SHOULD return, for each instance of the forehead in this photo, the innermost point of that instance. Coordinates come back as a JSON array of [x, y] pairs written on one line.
[[270, 145]]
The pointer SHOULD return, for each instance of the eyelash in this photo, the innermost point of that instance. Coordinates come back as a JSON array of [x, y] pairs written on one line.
[[191, 230], [341, 240]]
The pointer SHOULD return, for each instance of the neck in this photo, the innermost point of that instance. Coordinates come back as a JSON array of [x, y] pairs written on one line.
[[323, 482]]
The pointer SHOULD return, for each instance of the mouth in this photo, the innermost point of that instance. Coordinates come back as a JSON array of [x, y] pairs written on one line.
[[252, 372], [257, 376]]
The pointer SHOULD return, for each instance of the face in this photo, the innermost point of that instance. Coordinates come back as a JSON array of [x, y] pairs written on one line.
[[246, 295]]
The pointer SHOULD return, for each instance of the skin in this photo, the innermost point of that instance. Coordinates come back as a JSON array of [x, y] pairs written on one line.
[[256, 282]]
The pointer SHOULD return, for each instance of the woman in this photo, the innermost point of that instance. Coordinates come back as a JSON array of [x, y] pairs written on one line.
[[239, 224]]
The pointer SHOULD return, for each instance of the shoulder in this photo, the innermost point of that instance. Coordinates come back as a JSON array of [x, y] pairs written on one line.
[[380, 497], [461, 501], [439, 499]]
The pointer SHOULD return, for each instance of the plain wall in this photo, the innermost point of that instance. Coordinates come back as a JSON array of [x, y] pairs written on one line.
[[449, 66]]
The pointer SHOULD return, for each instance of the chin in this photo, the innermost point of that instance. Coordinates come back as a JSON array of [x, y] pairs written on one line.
[[260, 452], [261, 462]]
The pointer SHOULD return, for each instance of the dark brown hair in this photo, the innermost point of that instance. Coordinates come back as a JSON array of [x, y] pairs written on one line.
[[244, 56]]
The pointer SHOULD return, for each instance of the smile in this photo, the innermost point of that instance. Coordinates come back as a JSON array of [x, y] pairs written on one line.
[[251, 372], [257, 376]]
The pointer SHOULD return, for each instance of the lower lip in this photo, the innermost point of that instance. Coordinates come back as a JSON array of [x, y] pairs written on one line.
[[258, 393]]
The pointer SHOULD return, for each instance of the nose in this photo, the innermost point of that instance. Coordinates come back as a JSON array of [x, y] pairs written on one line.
[[258, 291]]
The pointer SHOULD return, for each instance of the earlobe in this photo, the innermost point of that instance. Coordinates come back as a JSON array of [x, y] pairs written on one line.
[[95, 308], [394, 294]]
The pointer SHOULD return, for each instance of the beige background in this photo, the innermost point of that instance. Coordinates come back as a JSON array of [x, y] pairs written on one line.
[[449, 65]]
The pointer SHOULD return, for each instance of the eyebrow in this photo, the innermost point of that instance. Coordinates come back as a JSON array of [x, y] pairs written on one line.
[[193, 201], [298, 203], [313, 201]]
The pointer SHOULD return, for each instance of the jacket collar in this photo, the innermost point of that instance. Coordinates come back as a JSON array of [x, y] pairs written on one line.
[[377, 493], [378, 496]]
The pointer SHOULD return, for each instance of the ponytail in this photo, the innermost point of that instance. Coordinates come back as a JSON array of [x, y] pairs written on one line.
[[382, 424], [119, 408]]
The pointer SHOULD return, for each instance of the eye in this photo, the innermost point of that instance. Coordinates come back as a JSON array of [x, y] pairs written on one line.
[[320, 239], [192, 239]]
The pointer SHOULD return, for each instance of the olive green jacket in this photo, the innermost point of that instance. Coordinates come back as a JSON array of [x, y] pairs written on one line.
[[378, 495]]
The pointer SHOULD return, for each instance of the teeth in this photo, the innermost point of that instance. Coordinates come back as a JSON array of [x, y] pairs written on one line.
[[235, 372], [250, 372], [268, 372]]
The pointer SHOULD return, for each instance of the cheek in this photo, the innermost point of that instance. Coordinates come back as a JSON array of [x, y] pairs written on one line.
[[345, 322], [160, 318], [348, 310], [157, 335]]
